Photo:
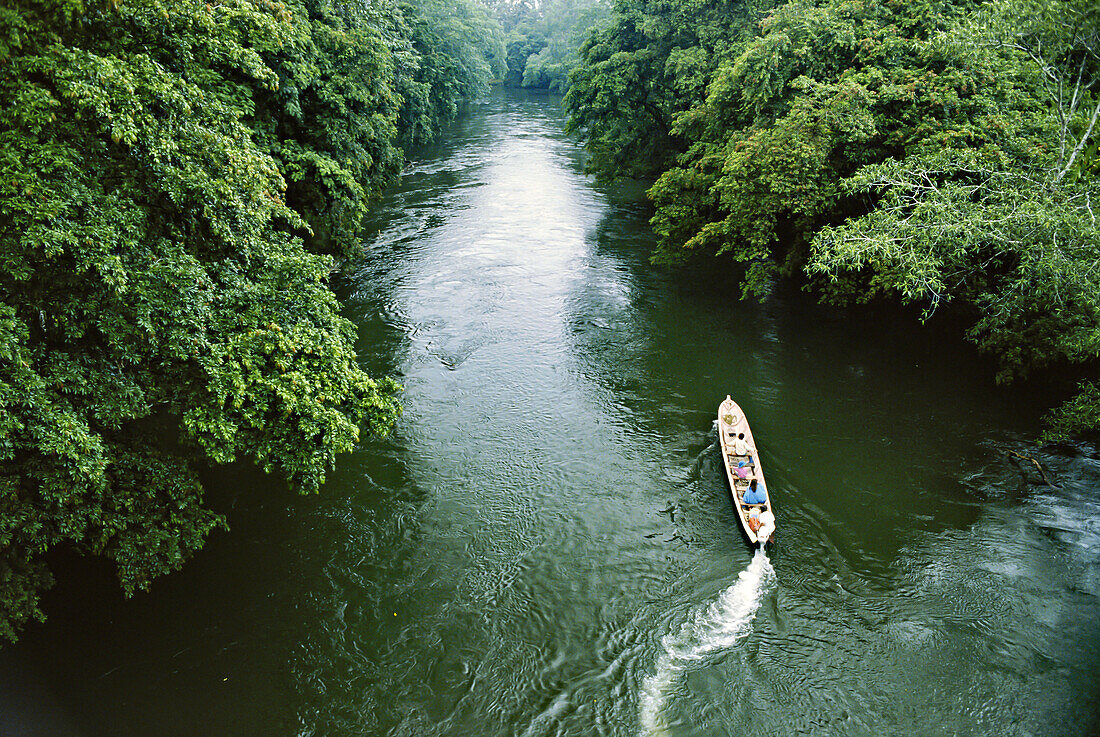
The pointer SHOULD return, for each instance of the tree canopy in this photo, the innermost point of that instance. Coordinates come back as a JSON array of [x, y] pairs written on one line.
[[933, 152], [178, 179], [544, 37]]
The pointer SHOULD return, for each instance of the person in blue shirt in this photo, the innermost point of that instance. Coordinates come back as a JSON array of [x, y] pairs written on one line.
[[754, 494]]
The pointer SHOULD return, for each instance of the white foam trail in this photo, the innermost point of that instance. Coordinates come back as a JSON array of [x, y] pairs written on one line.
[[715, 628]]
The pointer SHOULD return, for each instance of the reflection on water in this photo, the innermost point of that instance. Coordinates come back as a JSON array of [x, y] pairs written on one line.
[[546, 545]]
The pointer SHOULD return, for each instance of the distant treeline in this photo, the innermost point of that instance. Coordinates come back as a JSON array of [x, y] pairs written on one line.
[[543, 38], [933, 152], [178, 176]]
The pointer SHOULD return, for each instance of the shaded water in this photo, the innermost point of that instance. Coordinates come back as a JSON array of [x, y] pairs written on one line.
[[546, 546]]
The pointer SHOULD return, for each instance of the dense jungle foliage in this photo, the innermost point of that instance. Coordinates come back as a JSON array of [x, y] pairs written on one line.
[[933, 152], [178, 178], [543, 38]]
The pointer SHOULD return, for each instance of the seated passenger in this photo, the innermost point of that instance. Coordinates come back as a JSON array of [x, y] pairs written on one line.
[[740, 447], [743, 470], [767, 525], [754, 519], [754, 494]]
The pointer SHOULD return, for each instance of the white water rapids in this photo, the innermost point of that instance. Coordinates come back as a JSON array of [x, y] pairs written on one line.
[[715, 628]]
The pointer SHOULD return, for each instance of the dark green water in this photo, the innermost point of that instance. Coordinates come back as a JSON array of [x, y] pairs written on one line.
[[546, 547]]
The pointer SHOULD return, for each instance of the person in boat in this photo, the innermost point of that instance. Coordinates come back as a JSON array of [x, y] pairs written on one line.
[[743, 470], [762, 522], [754, 519], [740, 447], [767, 525], [754, 494]]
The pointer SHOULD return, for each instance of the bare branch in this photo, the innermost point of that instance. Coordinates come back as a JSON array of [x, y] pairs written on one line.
[[1080, 144], [1037, 465]]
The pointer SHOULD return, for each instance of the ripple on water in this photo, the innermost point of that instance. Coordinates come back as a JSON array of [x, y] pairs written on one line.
[[710, 630]]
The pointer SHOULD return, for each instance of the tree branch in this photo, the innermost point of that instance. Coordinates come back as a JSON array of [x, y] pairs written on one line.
[[1080, 144], [1037, 465]]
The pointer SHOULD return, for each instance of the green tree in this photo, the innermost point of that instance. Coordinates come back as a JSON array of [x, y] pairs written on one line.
[[455, 50], [821, 91], [1006, 227], [928, 151], [330, 122], [652, 62], [524, 34], [565, 24], [151, 285]]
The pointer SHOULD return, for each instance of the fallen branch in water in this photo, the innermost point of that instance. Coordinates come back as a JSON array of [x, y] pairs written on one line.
[[1037, 465]]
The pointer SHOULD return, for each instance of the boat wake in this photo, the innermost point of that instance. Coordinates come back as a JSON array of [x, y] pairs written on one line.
[[713, 629]]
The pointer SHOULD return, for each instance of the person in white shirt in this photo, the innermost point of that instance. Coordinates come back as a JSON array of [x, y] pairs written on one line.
[[762, 522], [740, 447], [767, 525]]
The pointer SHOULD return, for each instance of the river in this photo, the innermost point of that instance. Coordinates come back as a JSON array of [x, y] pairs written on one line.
[[546, 546]]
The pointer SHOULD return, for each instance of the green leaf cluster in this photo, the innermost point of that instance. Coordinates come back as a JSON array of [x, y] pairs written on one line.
[[177, 176], [455, 49], [359, 85], [651, 63], [543, 38], [932, 152]]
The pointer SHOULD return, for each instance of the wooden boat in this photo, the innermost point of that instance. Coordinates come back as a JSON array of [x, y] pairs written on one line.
[[731, 423]]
